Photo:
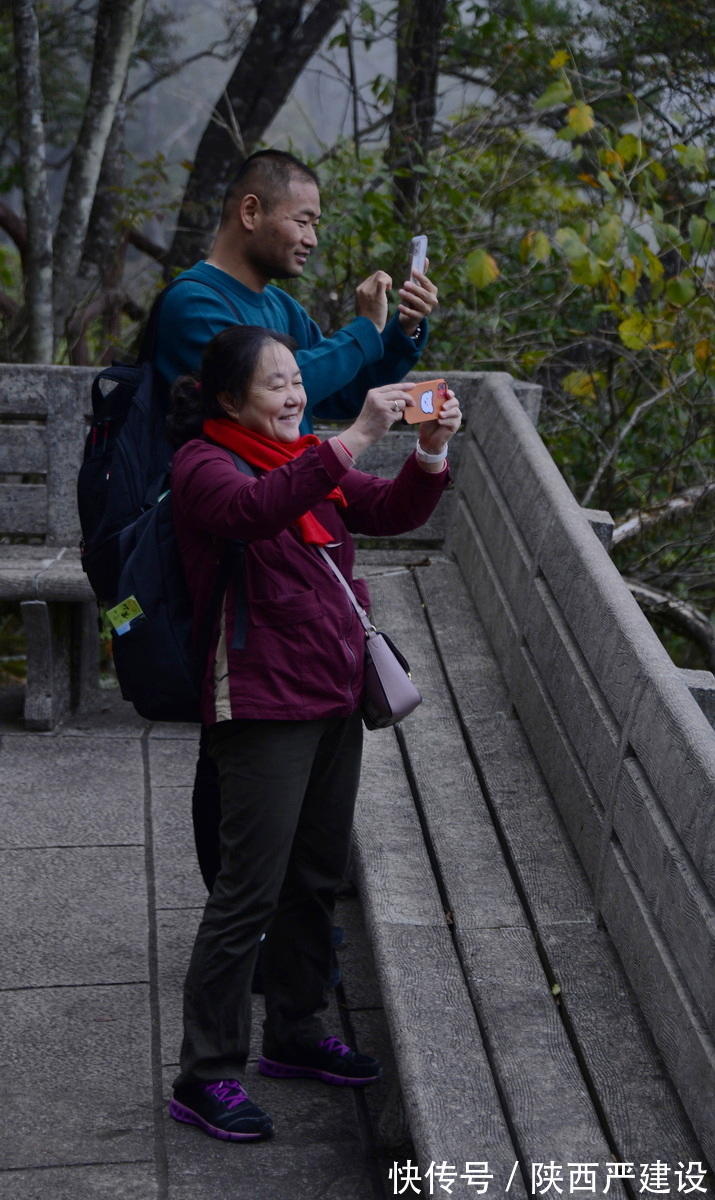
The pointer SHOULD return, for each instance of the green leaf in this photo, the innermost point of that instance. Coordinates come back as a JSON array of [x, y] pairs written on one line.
[[710, 209], [629, 147], [570, 244], [556, 93], [680, 291], [606, 182], [541, 247], [587, 270], [692, 158], [636, 331], [701, 234], [609, 235], [481, 269]]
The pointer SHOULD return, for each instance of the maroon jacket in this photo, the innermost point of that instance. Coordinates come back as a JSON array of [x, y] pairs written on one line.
[[299, 655]]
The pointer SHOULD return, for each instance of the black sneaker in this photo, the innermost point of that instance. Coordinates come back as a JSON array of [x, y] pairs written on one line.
[[329, 1060], [222, 1109]]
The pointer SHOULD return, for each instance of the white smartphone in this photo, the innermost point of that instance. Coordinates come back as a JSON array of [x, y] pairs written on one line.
[[418, 253]]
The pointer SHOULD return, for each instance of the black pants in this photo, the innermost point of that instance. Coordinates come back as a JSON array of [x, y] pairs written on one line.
[[287, 798], [206, 812]]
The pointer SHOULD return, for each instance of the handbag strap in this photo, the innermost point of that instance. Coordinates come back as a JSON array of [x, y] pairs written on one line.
[[364, 619]]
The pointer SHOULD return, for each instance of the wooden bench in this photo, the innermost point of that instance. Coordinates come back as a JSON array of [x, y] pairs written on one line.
[[43, 418]]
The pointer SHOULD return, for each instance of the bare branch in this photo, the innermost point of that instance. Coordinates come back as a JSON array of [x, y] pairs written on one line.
[[676, 614], [8, 306], [145, 244], [626, 429], [212, 51], [14, 226], [677, 506]]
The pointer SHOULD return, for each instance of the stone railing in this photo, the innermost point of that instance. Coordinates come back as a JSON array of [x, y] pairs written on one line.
[[628, 753]]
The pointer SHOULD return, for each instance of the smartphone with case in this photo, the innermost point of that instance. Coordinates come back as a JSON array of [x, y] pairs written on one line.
[[429, 396], [418, 253]]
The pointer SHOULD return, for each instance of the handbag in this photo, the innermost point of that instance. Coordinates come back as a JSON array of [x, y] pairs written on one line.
[[388, 692]]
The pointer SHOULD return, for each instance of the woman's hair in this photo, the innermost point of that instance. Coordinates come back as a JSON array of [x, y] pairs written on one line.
[[228, 365]]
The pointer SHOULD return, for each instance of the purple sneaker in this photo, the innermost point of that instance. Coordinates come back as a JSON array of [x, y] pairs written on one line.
[[221, 1109], [330, 1060]]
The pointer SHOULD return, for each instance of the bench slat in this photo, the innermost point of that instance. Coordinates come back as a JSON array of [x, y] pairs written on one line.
[[451, 1101], [531, 1054]]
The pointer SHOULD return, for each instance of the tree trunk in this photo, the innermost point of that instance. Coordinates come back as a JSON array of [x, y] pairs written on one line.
[[106, 243], [38, 262], [117, 28], [419, 26], [279, 46]]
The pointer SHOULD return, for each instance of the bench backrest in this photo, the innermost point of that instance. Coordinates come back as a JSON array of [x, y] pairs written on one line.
[[43, 424]]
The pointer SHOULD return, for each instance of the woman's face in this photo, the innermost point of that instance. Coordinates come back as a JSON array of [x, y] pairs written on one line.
[[275, 398]]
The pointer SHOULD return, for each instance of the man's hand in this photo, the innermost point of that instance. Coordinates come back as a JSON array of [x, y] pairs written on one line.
[[418, 296], [371, 298]]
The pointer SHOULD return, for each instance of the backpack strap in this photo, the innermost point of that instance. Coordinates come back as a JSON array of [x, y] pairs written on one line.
[[147, 347]]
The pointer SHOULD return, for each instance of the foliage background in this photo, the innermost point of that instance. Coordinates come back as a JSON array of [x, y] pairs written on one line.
[[558, 154]]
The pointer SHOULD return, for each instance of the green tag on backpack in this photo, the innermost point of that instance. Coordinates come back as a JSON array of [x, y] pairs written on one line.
[[121, 616]]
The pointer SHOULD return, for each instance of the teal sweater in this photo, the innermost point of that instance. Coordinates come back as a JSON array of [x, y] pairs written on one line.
[[337, 371]]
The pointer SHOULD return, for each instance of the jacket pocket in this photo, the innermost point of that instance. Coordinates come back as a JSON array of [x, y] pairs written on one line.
[[288, 610]]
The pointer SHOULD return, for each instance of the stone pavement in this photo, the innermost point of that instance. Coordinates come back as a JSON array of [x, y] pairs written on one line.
[[101, 897]]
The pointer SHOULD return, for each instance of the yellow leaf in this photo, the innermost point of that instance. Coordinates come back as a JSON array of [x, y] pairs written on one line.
[[559, 60], [655, 266], [629, 282], [703, 353], [611, 158], [636, 331], [580, 118], [580, 384], [481, 269], [663, 346]]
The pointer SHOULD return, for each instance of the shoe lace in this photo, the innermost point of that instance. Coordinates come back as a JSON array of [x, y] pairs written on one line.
[[334, 1046], [228, 1090]]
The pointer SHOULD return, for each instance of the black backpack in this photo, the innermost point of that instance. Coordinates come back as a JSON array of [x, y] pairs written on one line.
[[158, 668], [126, 455]]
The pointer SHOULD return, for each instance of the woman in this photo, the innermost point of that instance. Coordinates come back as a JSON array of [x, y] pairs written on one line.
[[281, 695]]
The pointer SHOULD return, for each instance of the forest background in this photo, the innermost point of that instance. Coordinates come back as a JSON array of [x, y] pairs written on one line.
[[559, 155]]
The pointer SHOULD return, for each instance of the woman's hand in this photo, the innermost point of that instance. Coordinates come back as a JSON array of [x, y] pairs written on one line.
[[434, 435], [383, 406]]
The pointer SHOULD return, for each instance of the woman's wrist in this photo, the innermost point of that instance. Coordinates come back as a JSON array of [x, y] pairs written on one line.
[[430, 456], [354, 440]]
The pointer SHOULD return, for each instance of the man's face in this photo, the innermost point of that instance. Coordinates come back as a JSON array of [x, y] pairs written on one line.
[[284, 237]]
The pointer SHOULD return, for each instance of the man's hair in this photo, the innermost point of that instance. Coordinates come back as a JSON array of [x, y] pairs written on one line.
[[268, 175]]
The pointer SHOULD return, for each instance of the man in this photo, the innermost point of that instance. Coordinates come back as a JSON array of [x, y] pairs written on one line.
[[268, 230]]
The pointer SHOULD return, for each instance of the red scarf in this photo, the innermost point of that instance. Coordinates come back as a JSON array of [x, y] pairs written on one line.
[[267, 454]]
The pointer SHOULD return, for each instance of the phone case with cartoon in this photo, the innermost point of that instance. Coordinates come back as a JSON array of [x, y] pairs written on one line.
[[429, 397]]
